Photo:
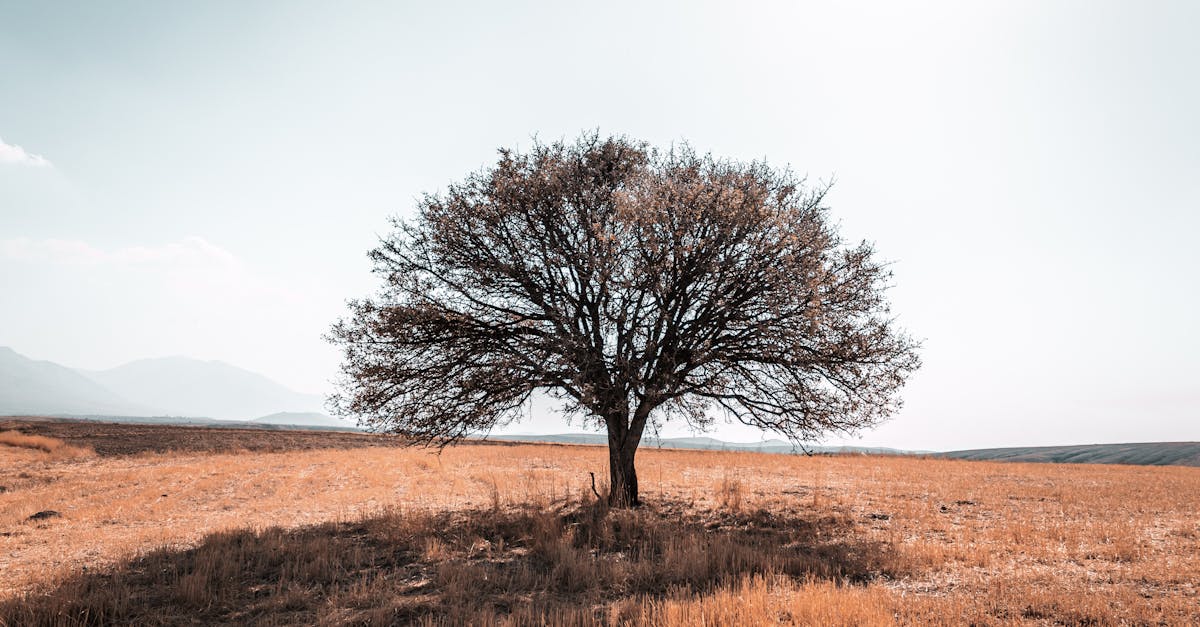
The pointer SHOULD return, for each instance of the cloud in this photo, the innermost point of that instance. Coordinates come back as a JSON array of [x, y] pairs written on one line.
[[189, 251], [13, 154]]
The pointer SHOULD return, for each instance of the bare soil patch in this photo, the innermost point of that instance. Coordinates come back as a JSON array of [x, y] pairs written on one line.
[[110, 438]]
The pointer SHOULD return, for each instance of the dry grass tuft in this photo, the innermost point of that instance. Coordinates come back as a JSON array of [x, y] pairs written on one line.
[[729, 494], [55, 448], [468, 567]]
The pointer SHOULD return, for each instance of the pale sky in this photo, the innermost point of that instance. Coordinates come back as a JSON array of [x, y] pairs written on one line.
[[205, 178]]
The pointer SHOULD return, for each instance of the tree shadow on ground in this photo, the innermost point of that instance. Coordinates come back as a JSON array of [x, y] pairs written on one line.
[[547, 565]]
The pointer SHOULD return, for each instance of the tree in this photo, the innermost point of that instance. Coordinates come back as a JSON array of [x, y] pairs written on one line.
[[636, 286]]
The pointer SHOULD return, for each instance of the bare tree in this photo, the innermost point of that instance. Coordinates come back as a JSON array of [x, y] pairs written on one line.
[[636, 286]]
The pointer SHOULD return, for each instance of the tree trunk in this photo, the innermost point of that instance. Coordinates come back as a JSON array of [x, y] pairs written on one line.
[[622, 476], [624, 435]]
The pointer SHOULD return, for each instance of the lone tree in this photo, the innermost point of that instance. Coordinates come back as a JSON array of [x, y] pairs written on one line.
[[636, 286]]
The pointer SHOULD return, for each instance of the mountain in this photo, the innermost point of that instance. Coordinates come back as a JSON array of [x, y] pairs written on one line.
[[557, 438], [29, 386], [191, 387], [176, 386], [1142, 454], [705, 443], [305, 419]]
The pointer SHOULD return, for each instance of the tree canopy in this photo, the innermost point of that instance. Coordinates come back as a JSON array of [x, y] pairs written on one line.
[[635, 285]]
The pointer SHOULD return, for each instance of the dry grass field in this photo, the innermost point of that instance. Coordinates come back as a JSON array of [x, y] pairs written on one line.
[[277, 528]]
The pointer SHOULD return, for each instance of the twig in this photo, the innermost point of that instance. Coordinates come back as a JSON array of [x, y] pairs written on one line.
[[594, 485]]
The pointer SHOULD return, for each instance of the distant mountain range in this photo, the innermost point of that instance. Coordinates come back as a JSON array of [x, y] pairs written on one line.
[[171, 386], [190, 387], [1147, 454], [1140, 454], [304, 419], [180, 390], [706, 443], [29, 386]]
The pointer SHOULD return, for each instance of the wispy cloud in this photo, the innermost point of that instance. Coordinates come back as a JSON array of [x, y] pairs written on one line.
[[188, 251], [13, 154]]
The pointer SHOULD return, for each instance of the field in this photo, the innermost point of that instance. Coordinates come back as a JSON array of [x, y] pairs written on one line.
[[178, 525]]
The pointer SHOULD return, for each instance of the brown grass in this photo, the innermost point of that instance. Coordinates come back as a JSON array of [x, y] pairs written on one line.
[[512, 535], [53, 447], [473, 566]]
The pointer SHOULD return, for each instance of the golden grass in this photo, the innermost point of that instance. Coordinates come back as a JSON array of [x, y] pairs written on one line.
[[53, 447], [511, 535]]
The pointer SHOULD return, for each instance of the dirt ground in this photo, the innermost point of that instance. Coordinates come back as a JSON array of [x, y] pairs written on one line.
[[108, 439], [182, 525]]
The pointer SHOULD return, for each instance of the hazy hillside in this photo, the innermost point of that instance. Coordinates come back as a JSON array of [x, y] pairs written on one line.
[[1143, 454], [305, 419], [191, 387], [704, 443], [29, 386]]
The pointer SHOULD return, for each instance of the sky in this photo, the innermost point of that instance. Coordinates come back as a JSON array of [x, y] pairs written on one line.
[[205, 178]]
